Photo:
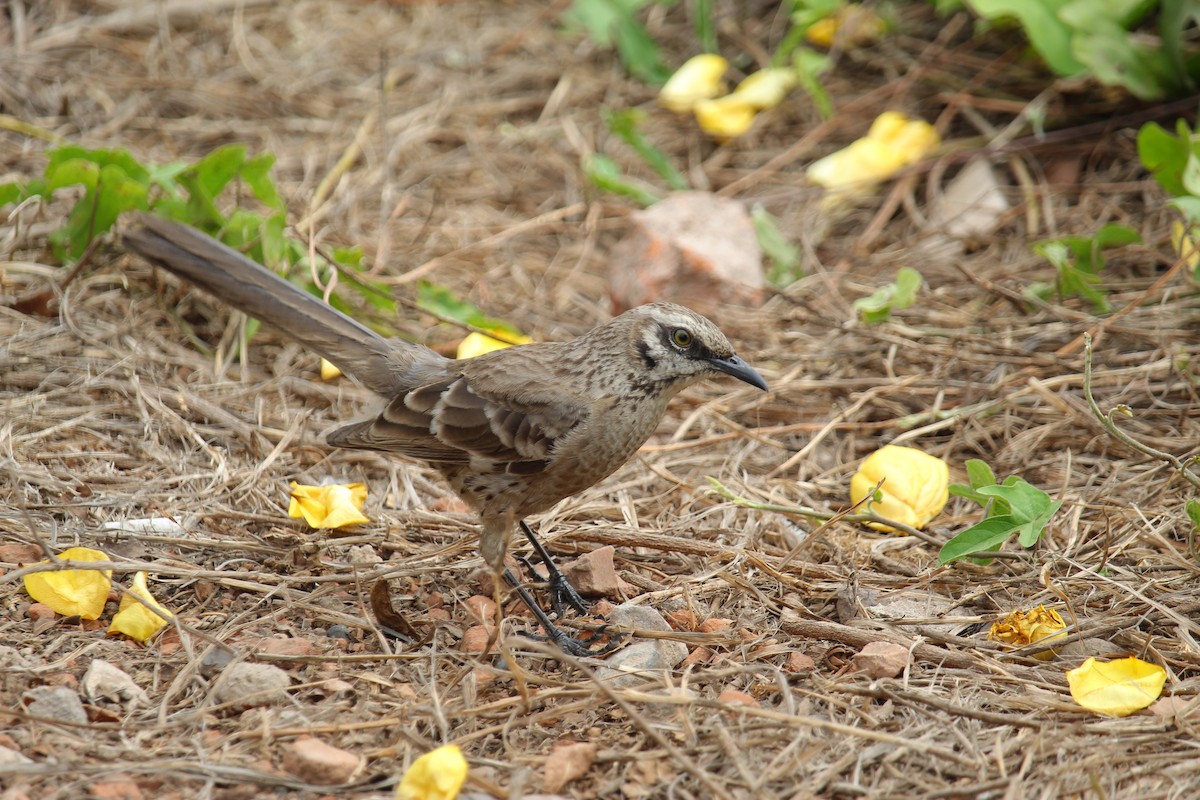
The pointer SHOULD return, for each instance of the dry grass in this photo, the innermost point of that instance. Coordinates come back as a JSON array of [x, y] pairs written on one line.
[[127, 404]]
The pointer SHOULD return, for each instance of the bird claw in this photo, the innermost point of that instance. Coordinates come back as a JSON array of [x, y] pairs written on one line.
[[562, 593], [572, 646]]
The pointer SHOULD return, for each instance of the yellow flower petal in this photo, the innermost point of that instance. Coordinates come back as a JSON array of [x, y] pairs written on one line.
[[329, 371], [73, 592], [1186, 241], [437, 775], [892, 143], [476, 344], [765, 88], [916, 488], [1021, 628], [725, 117], [135, 620], [698, 79], [850, 25], [1116, 688], [333, 506]]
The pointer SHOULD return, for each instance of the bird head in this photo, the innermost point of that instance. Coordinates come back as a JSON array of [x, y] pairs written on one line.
[[677, 346]]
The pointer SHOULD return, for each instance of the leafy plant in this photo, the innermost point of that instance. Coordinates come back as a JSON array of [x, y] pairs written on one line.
[[615, 22], [1174, 161], [1078, 37], [1013, 507], [114, 181], [1078, 260], [899, 294], [785, 266]]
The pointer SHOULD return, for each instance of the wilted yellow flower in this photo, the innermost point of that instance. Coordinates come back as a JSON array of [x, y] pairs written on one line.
[[698, 79], [135, 620], [73, 592], [724, 118], [1116, 688], [765, 88], [732, 115], [333, 506], [1186, 241], [329, 370], [476, 344], [437, 775], [916, 488], [892, 143], [1025, 627], [850, 25]]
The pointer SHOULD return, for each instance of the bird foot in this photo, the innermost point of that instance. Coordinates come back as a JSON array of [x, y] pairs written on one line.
[[562, 593], [572, 646]]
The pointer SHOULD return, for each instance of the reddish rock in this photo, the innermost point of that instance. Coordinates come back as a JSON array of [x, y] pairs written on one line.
[[313, 761], [594, 574], [475, 639], [799, 662], [693, 248], [39, 611], [115, 787], [733, 697]]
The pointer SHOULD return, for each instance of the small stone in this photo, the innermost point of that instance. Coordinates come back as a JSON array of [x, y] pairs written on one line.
[[21, 554], [106, 681], [799, 662], [881, 660], [10, 757], [115, 787], [733, 697], [475, 639], [283, 646], [594, 574], [640, 661], [481, 610], [319, 763], [248, 685], [714, 624], [39, 611], [567, 761], [338, 631], [693, 248], [698, 656], [681, 620], [55, 703]]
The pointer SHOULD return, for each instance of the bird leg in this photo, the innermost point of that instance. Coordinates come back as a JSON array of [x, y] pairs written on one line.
[[561, 590], [566, 642]]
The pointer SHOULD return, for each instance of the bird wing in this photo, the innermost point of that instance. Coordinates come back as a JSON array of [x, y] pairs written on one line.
[[452, 421]]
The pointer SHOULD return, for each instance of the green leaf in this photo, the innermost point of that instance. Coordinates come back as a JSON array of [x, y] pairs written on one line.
[[1048, 34], [443, 303], [980, 473], [810, 66], [604, 174], [625, 125], [900, 294], [256, 172], [1192, 507], [214, 172], [639, 53], [785, 256], [72, 172], [989, 534], [599, 18], [1166, 156]]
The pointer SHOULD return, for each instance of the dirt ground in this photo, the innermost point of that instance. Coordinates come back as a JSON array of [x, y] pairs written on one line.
[[127, 402]]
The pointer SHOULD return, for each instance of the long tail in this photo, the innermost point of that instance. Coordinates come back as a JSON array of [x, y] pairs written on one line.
[[236, 280]]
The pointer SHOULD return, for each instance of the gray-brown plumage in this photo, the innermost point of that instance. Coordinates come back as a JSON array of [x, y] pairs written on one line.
[[513, 431]]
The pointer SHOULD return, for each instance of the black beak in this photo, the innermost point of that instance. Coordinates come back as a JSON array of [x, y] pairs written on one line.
[[739, 369]]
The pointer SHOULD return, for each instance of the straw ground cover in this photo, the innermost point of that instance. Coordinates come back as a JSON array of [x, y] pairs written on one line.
[[126, 402]]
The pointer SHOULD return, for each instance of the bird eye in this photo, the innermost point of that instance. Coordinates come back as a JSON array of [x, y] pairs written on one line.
[[681, 337]]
